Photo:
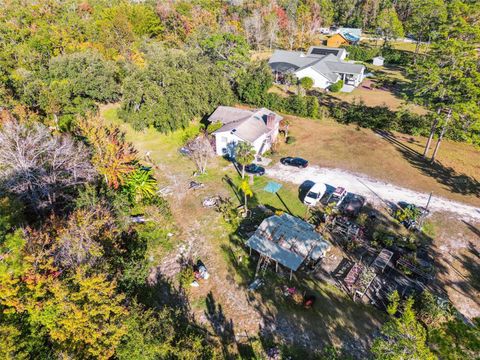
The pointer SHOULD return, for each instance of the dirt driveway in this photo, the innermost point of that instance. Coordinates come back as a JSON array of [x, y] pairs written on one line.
[[376, 192]]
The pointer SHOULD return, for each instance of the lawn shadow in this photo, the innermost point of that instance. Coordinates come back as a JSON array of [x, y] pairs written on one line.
[[447, 176]]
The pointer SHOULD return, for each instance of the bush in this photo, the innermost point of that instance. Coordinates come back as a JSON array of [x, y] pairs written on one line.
[[362, 52], [337, 86], [186, 277], [291, 140], [274, 102], [306, 82], [312, 106], [296, 104], [381, 117], [398, 57]]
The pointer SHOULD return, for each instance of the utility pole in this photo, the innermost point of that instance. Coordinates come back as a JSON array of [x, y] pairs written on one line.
[[428, 202]]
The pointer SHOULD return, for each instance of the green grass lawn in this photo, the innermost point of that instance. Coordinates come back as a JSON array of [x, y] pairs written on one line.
[[334, 311], [286, 199]]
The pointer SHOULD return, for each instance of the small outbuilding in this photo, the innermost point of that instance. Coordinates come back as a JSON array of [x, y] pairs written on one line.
[[378, 61], [288, 241], [337, 40]]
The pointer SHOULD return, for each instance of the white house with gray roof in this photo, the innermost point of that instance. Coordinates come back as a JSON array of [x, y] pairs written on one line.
[[257, 127], [324, 65]]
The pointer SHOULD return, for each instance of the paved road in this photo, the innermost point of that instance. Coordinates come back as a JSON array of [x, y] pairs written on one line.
[[374, 190]]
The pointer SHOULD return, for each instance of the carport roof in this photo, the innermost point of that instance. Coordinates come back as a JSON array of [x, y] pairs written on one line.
[[288, 240]]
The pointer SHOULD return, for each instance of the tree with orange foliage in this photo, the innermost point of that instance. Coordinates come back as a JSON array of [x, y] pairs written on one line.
[[113, 157]]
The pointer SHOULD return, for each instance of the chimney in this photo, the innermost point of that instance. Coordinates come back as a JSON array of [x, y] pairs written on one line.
[[271, 121]]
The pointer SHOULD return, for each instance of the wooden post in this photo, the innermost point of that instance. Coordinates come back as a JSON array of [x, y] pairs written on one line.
[[276, 266], [258, 266], [291, 273]]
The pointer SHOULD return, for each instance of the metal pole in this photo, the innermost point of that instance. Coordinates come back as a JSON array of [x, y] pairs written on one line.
[[428, 202]]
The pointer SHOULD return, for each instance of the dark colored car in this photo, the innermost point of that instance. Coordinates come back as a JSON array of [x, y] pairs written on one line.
[[255, 169], [352, 205], [294, 161]]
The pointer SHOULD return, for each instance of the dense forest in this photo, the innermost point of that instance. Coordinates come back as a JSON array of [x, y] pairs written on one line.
[[73, 264]]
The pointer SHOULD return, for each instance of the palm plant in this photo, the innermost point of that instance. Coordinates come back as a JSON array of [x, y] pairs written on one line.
[[140, 184], [244, 154], [247, 191]]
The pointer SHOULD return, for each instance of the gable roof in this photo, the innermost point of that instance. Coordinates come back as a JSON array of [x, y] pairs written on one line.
[[344, 67], [326, 50], [323, 68], [326, 62], [356, 32], [248, 125]]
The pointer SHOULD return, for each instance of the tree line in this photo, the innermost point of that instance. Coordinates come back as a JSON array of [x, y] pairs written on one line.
[[73, 261]]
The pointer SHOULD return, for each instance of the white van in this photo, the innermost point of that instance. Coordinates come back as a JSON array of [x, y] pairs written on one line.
[[315, 194]]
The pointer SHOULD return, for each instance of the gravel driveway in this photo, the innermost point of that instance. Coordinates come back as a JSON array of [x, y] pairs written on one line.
[[375, 191]]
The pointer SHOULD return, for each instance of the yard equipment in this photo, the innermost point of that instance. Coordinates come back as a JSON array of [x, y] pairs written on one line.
[[382, 260]]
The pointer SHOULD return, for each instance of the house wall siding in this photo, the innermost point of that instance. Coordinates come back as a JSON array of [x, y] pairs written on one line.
[[319, 81], [225, 141], [336, 40]]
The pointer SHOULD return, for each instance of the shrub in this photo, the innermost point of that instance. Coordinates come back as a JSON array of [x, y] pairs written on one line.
[[428, 229], [211, 128], [186, 277], [361, 53], [306, 82], [297, 105], [274, 102], [291, 140], [398, 57], [312, 106], [337, 86]]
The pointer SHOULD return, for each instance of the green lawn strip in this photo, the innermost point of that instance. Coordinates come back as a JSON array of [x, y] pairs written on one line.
[[288, 194]]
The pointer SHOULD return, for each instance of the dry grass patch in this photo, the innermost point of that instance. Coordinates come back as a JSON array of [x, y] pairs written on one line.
[[395, 159]]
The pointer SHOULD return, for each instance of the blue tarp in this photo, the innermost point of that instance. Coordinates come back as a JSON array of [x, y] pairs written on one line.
[[350, 37], [272, 187]]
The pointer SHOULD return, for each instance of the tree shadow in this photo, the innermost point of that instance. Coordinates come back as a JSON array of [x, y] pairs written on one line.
[[447, 176], [298, 330], [222, 327], [472, 228]]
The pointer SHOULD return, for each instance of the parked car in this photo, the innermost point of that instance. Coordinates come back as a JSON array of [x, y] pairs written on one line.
[[315, 193], [255, 169], [353, 205], [337, 196], [294, 161]]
